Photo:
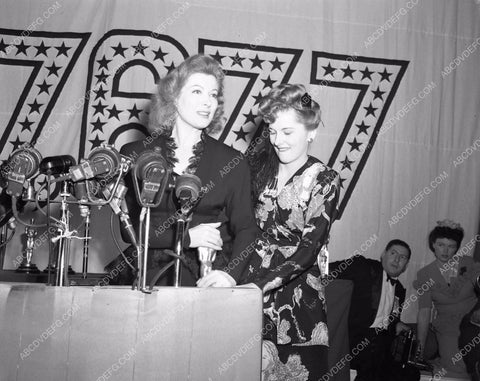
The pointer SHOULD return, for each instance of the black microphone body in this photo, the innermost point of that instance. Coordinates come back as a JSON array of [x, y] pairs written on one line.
[[56, 165], [152, 170], [22, 165], [187, 190], [101, 163]]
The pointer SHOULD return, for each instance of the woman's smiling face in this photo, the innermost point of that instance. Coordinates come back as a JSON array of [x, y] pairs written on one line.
[[197, 101]]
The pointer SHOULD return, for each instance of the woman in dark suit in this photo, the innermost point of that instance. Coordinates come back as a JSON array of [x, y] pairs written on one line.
[[186, 108]]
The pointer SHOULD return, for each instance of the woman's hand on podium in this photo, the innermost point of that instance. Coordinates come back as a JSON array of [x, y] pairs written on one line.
[[206, 235], [216, 278]]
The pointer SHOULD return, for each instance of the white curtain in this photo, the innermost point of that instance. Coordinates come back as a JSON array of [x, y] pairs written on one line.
[[398, 82]]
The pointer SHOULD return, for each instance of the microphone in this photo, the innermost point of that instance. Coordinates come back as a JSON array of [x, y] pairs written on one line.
[[117, 203], [22, 165], [56, 165], [187, 189], [103, 162], [119, 207], [152, 169], [81, 194]]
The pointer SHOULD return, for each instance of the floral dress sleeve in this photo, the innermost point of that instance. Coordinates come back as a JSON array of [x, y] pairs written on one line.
[[317, 218]]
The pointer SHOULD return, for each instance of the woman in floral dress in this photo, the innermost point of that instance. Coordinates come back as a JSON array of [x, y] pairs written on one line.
[[296, 197]]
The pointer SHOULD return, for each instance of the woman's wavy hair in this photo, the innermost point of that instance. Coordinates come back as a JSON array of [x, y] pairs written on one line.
[[454, 233], [281, 98], [163, 109]]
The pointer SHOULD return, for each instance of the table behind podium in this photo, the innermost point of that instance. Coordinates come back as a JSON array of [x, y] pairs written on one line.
[[84, 333]]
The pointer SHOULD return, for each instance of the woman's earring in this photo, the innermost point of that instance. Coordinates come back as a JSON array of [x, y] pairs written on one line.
[[309, 140]]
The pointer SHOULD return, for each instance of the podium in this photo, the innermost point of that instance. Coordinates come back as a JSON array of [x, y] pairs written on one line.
[[114, 333]]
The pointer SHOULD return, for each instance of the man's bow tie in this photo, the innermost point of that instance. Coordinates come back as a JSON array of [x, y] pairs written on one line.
[[392, 281]]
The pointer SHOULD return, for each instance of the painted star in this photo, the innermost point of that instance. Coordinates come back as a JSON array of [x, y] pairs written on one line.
[[44, 87], [257, 98], [22, 48], [26, 124], [62, 50], [159, 54], [385, 75], [16, 143], [3, 46], [354, 145], [370, 110], [114, 112], [341, 182], [170, 67], [98, 125], [378, 94], [328, 70], [103, 63], [276, 64], [35, 106], [268, 82], [134, 112], [362, 127], [53, 70], [237, 60], [257, 62], [348, 72], [250, 117], [41, 49], [139, 49], [366, 73], [119, 50], [346, 163], [218, 57], [99, 108], [100, 93], [102, 77], [241, 134], [96, 142]]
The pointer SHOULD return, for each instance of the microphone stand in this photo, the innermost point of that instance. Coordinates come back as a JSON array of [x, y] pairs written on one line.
[[150, 196], [183, 219], [86, 244], [64, 241]]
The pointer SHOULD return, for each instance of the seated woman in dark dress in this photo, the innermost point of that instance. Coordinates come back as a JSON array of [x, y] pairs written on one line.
[[187, 106], [296, 197]]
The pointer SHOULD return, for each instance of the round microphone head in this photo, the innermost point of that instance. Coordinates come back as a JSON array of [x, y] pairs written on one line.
[[149, 161], [107, 158], [28, 158], [56, 165], [188, 186]]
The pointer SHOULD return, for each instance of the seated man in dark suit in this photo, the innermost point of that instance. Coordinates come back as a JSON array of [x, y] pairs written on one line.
[[375, 309]]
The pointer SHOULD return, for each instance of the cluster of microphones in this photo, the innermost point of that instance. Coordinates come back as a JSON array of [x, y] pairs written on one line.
[[96, 180]]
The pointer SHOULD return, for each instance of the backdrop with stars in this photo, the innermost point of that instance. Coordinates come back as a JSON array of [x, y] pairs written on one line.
[[397, 81]]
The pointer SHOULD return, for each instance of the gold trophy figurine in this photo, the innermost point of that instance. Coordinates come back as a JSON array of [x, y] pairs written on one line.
[[27, 266]]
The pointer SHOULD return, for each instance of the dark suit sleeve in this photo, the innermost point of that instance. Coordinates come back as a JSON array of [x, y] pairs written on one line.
[[351, 269], [242, 223]]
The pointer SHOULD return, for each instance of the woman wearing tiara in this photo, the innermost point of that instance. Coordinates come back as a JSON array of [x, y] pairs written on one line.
[[449, 280]]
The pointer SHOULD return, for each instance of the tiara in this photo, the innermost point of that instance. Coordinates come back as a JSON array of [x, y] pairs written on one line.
[[450, 224]]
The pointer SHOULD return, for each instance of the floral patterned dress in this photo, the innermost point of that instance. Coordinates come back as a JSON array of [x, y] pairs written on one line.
[[295, 224]]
